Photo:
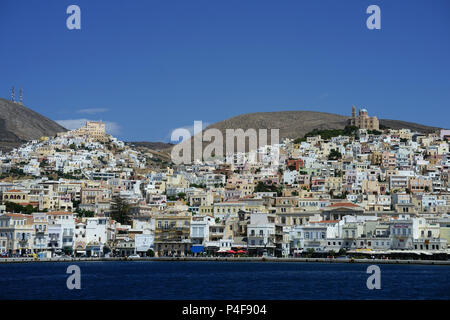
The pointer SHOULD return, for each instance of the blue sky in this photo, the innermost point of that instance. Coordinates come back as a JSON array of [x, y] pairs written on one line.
[[148, 67]]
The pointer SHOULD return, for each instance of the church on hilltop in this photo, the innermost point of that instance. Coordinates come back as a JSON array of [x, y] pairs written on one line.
[[363, 121], [93, 130]]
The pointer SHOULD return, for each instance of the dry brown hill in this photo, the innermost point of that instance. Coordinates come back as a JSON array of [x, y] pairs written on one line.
[[19, 124], [295, 124]]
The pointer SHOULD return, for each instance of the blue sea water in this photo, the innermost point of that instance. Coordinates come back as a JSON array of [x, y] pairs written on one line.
[[222, 280]]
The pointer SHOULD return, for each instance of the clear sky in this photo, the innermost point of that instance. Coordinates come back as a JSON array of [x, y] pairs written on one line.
[[147, 67]]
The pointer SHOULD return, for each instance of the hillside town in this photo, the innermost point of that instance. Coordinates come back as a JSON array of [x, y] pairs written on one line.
[[363, 190]]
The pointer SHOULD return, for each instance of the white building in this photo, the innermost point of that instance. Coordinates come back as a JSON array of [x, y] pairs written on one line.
[[261, 233]]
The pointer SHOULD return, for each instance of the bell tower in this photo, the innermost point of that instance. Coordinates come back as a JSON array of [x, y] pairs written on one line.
[[353, 119]]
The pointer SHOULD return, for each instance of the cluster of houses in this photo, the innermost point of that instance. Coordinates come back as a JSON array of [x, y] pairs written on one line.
[[375, 192]]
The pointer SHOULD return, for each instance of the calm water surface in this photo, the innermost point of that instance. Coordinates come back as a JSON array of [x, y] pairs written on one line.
[[222, 280]]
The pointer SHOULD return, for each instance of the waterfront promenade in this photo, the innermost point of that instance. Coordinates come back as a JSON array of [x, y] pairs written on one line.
[[233, 259]]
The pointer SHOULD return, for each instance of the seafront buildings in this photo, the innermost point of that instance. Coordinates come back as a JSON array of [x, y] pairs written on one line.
[[370, 190]]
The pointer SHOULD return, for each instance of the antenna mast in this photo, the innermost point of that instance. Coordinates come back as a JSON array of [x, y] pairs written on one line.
[[21, 96]]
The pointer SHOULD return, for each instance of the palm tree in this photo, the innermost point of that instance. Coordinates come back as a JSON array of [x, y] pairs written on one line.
[[120, 211]]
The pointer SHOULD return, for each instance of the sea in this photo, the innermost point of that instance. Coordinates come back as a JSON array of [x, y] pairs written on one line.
[[212, 280]]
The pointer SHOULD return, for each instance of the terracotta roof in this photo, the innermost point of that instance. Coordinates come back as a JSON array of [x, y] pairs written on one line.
[[18, 215], [59, 212], [325, 221], [27, 203], [343, 204], [14, 190]]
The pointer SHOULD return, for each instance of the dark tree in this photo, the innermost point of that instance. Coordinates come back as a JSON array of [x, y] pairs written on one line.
[[84, 213], [120, 211], [334, 155]]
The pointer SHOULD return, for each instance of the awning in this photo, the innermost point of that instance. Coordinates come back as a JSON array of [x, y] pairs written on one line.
[[197, 249]]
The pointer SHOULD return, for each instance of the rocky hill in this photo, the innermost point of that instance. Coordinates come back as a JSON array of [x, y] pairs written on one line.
[[19, 124], [157, 146], [295, 124]]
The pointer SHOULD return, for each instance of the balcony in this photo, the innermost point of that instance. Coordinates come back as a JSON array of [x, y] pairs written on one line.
[[23, 242], [263, 246], [174, 228], [312, 243], [171, 240], [53, 244]]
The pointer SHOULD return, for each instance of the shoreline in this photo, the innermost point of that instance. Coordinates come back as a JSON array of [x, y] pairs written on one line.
[[230, 259]]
